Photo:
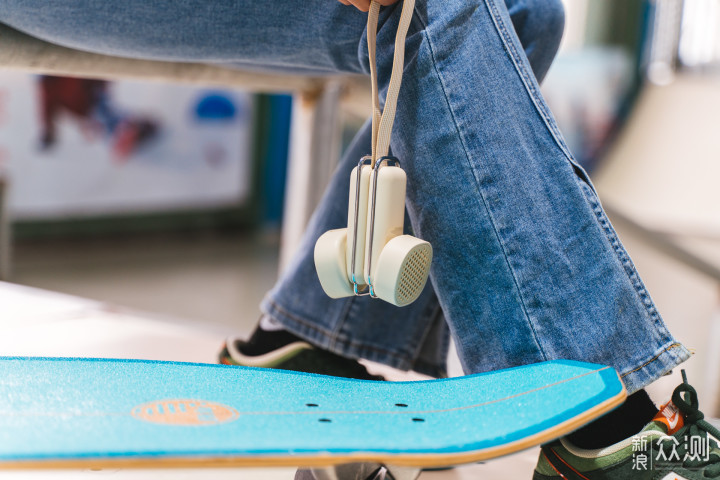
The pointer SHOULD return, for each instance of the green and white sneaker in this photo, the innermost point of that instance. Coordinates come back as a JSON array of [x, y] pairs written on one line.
[[677, 445]]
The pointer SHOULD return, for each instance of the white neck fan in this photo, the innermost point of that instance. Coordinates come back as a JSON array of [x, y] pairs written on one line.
[[379, 261]]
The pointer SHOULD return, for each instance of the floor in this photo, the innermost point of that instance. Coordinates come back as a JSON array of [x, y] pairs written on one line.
[[228, 274]]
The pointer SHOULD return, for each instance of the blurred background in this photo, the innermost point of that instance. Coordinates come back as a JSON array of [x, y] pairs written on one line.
[[181, 201]]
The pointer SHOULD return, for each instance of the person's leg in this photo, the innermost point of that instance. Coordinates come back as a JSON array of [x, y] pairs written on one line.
[[527, 267], [354, 327]]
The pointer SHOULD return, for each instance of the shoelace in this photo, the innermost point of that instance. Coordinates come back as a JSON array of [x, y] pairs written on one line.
[[695, 426]]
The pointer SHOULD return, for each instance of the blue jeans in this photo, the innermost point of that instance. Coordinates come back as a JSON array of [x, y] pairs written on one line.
[[527, 266]]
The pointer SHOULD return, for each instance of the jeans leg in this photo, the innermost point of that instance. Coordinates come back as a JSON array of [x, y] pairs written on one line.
[[354, 331], [527, 266], [313, 36]]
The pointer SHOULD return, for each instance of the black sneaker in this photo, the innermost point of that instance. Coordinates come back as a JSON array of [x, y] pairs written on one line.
[[286, 352]]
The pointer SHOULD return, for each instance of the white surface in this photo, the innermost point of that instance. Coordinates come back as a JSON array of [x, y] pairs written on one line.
[[25, 306], [663, 169], [39, 323]]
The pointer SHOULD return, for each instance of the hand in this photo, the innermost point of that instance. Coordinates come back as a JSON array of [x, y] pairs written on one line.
[[364, 5]]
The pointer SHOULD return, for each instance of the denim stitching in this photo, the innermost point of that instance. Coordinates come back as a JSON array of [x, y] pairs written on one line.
[[529, 84], [652, 360], [481, 194], [622, 255], [535, 95]]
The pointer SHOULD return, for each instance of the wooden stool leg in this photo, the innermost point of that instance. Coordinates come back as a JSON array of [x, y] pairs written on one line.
[[5, 235], [315, 138]]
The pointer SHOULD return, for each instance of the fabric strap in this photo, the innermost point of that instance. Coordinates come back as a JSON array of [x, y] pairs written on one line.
[[382, 121]]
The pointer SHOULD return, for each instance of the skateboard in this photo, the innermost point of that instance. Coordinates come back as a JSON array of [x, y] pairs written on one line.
[[101, 413]]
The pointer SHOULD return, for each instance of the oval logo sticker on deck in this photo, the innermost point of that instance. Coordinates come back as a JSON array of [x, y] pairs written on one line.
[[185, 412]]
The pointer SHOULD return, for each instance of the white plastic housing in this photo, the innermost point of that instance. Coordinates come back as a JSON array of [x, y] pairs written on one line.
[[389, 214], [362, 223], [402, 270], [400, 263], [330, 252]]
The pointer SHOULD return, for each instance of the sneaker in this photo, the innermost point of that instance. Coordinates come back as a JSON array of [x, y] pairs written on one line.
[[677, 445], [296, 355]]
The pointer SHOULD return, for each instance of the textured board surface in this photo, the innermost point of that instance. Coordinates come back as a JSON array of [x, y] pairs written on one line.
[[103, 413]]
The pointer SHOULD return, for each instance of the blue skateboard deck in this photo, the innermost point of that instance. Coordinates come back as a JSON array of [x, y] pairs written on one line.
[[95, 413]]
